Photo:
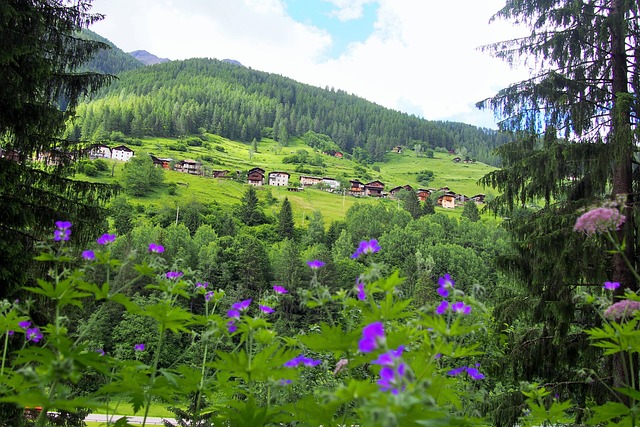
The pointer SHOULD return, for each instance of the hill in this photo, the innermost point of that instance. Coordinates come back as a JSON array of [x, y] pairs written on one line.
[[147, 58], [181, 98], [111, 60], [217, 153]]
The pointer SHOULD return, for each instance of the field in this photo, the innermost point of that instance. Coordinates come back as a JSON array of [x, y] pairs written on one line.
[[221, 154]]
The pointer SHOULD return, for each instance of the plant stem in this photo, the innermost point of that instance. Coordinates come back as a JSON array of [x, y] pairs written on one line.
[[156, 358]]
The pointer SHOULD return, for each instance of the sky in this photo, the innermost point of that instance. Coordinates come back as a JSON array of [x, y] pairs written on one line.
[[420, 57]]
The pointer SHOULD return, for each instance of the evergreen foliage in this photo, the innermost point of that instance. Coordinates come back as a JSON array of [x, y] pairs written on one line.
[[141, 175], [586, 55], [470, 211], [182, 97], [285, 220], [39, 59]]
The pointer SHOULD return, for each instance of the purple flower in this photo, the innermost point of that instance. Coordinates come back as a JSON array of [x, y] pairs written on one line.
[[63, 232], [301, 360], [33, 334], [366, 247], [279, 289], [88, 255], [242, 305], [156, 249], [371, 335], [611, 286], [266, 309], [437, 356], [391, 379], [234, 314], [444, 305], [139, 347], [622, 310], [389, 358], [361, 294], [444, 284], [100, 352], [105, 239], [202, 285], [457, 371], [25, 324], [231, 326], [340, 366], [315, 264], [285, 382], [460, 307], [10, 332], [475, 374], [208, 296], [599, 220], [174, 274]]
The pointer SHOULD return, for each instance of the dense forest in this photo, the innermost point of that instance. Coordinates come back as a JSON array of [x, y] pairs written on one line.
[[182, 98]]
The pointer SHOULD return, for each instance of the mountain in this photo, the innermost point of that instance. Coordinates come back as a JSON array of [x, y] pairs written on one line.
[[147, 58], [108, 61], [180, 98]]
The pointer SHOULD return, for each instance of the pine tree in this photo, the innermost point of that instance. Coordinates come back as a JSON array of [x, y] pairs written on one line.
[[470, 211], [250, 212], [587, 57], [285, 220], [39, 55]]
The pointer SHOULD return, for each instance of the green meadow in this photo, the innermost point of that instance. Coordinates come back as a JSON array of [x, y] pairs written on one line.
[[217, 153]]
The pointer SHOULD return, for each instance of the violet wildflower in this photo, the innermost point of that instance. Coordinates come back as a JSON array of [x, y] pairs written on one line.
[[285, 382], [279, 289], [361, 294], [33, 334], [208, 296], [63, 231], [10, 332], [100, 352], [234, 314], [202, 285], [366, 247], [105, 239], [391, 378], [371, 335], [266, 309], [242, 305], [302, 360], [599, 220], [460, 307], [622, 310], [340, 366], [231, 326], [139, 347], [475, 374], [389, 358], [174, 274], [315, 264], [457, 371], [25, 324], [437, 356], [444, 284], [88, 255], [156, 249], [442, 307], [611, 286]]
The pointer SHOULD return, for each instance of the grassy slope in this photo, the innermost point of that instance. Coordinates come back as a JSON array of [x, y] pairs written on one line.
[[398, 169]]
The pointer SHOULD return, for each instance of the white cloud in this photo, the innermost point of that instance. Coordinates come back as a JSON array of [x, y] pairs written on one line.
[[420, 58], [348, 9]]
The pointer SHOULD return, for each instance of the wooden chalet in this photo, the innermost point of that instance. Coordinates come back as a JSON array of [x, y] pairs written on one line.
[[447, 200], [393, 193], [374, 189], [478, 198], [220, 174], [423, 194], [189, 166], [160, 162], [255, 177], [357, 188]]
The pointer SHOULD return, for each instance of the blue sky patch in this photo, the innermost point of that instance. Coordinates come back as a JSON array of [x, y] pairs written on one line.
[[318, 14]]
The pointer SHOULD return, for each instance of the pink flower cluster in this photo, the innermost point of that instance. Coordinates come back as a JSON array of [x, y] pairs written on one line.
[[622, 309], [599, 220]]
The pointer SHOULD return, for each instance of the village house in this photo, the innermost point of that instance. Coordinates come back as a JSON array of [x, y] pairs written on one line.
[[374, 189], [279, 179], [255, 177], [357, 188], [461, 198], [457, 159], [160, 162], [308, 181], [478, 198], [188, 166], [220, 174], [99, 151], [423, 194], [333, 184], [397, 149], [122, 152], [447, 200], [393, 193]]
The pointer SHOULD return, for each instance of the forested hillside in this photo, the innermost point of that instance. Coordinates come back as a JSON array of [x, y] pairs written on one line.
[[109, 61], [185, 97]]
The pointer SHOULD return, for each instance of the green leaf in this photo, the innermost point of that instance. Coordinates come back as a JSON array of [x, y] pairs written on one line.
[[331, 338]]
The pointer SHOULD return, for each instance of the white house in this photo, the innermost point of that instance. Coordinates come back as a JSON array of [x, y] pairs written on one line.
[[121, 153], [100, 151], [279, 179], [331, 183]]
